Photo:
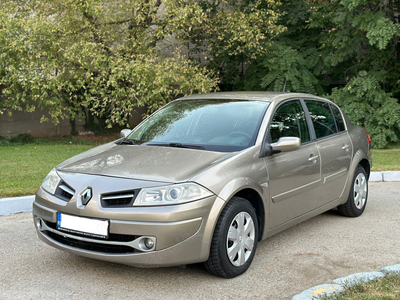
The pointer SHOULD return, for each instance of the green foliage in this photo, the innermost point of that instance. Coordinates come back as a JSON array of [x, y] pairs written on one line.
[[283, 64], [369, 106], [89, 54], [359, 42], [380, 29], [23, 138], [292, 57], [229, 34], [110, 57], [359, 35]]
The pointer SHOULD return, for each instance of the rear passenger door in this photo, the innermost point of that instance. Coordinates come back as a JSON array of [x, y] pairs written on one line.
[[334, 146]]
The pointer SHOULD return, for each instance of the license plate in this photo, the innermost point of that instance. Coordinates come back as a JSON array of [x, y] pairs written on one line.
[[83, 226]]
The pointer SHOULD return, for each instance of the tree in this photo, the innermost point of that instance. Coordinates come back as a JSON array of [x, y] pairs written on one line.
[[360, 42], [291, 60], [110, 57], [104, 56], [231, 34]]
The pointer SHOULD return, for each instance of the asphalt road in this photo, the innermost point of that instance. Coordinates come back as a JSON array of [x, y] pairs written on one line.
[[314, 252]]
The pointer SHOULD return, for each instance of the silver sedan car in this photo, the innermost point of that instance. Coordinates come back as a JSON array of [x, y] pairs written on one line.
[[204, 179]]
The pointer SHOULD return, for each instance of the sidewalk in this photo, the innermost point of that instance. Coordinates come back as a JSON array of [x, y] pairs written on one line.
[[9, 206]]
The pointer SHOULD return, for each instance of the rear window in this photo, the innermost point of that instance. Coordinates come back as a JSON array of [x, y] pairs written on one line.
[[322, 118], [338, 118]]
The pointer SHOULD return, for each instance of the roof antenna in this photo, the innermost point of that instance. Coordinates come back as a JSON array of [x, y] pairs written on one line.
[[287, 75]]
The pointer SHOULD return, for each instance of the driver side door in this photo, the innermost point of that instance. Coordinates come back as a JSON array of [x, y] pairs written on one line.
[[294, 177]]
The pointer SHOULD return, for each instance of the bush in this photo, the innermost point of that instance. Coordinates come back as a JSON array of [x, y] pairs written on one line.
[[369, 106], [23, 138]]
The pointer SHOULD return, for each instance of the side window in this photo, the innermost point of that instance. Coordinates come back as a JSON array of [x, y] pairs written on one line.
[[321, 116], [289, 120], [338, 118]]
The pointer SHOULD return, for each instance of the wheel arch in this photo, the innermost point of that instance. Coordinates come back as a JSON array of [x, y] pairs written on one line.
[[360, 158], [256, 201], [367, 167], [249, 189]]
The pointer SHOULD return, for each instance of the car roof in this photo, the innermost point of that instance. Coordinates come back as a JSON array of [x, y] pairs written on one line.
[[259, 96]]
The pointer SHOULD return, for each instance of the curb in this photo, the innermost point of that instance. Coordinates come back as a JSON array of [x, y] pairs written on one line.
[[9, 206], [385, 176], [339, 285], [15, 205]]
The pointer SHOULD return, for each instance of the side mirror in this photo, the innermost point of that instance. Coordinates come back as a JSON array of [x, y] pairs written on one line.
[[125, 132], [286, 144]]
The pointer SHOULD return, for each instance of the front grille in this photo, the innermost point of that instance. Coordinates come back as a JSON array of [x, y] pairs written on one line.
[[64, 192], [123, 199], [112, 237], [104, 248]]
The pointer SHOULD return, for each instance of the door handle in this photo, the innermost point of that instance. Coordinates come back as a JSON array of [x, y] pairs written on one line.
[[313, 158], [346, 147]]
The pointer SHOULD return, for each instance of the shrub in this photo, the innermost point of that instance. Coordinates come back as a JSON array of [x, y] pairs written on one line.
[[369, 106]]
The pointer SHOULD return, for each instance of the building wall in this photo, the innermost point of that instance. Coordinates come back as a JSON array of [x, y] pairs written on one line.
[[24, 122]]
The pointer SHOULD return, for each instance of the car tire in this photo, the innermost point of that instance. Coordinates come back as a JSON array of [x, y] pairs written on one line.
[[357, 200], [235, 238]]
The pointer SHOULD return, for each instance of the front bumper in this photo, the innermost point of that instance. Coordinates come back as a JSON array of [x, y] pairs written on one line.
[[183, 232]]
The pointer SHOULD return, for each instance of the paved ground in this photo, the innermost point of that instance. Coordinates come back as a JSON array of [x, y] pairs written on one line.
[[315, 252]]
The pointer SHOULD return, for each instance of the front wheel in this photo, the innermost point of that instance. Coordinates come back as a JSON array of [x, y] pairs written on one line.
[[358, 195], [235, 239]]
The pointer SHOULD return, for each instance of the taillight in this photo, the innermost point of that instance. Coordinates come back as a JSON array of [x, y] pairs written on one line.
[[369, 140]]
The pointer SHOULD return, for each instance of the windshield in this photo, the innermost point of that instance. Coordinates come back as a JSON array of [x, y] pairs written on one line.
[[217, 125]]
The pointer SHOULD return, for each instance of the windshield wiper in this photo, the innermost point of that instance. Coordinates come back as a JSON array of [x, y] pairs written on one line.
[[125, 141], [179, 145]]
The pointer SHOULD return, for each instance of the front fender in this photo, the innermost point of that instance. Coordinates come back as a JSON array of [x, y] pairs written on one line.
[[236, 185]]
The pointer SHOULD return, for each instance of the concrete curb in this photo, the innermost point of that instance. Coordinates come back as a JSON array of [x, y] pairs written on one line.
[[9, 206], [385, 176], [339, 285]]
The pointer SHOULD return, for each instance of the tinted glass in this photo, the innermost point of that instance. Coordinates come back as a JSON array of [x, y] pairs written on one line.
[[338, 118], [218, 125], [289, 120], [321, 116]]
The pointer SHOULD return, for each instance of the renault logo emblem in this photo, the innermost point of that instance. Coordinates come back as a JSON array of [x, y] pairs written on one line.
[[86, 196]]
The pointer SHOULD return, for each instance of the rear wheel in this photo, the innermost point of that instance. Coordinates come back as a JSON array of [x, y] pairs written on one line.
[[235, 239], [358, 195]]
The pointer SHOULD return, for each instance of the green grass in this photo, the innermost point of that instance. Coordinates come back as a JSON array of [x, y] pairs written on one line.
[[23, 168], [386, 159], [387, 288]]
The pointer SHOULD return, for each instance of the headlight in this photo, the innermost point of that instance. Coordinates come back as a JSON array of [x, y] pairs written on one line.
[[171, 194], [51, 182]]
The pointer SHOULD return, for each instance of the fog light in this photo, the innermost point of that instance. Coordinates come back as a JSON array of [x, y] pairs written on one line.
[[149, 243], [145, 243], [39, 223]]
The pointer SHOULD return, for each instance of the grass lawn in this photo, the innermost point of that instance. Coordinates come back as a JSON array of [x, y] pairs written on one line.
[[23, 168], [387, 288], [386, 160]]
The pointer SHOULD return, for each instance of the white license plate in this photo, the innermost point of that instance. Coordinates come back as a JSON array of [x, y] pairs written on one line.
[[84, 226]]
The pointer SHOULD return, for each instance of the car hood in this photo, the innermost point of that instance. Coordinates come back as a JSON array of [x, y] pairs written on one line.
[[153, 163]]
